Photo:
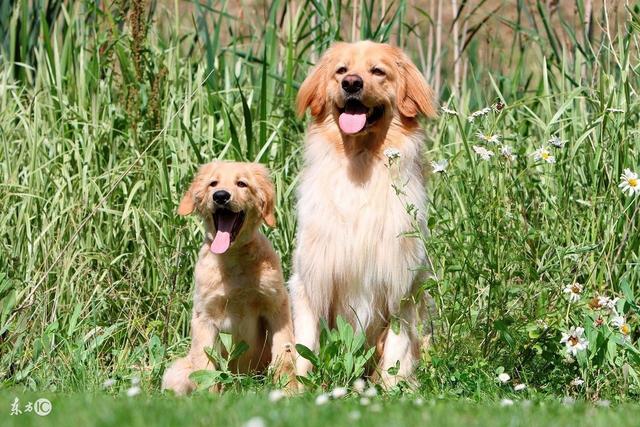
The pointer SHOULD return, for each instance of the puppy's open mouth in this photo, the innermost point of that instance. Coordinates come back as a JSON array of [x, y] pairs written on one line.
[[228, 225], [355, 116]]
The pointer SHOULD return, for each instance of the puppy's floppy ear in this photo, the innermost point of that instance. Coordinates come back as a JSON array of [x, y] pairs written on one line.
[[188, 202], [414, 94], [266, 194]]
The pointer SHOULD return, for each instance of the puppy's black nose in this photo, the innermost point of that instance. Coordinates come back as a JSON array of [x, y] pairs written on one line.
[[221, 197], [352, 83]]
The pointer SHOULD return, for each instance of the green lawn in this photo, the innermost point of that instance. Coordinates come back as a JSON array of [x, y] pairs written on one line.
[[237, 409], [108, 108]]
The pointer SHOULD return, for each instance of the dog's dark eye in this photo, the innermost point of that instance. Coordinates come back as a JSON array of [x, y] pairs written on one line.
[[341, 70], [378, 71], [241, 184], [213, 183]]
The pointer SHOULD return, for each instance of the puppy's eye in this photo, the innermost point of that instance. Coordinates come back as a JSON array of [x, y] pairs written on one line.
[[341, 70], [378, 71], [241, 184], [213, 183]]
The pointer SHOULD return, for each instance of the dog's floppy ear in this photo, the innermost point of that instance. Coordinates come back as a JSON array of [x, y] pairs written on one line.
[[414, 94], [313, 91], [311, 94], [266, 194]]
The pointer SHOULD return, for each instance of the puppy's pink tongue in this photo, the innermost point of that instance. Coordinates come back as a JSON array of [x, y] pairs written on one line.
[[222, 240], [352, 123]]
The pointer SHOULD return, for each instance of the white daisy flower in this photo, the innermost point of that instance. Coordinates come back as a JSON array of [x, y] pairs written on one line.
[[576, 382], [392, 153], [359, 385], [376, 407], [322, 399], [419, 401], [603, 403], [493, 139], [574, 340], [255, 422], [275, 395], [483, 152], [448, 111], [568, 401], [133, 391], [478, 113], [520, 387], [507, 153], [354, 415], [364, 401], [617, 321], [506, 402], [504, 378], [439, 166], [544, 154], [371, 392], [557, 142], [605, 303], [574, 290], [630, 183], [339, 392], [109, 383], [135, 381], [625, 330]]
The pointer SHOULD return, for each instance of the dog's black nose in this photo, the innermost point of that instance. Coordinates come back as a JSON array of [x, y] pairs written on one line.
[[352, 83], [221, 197]]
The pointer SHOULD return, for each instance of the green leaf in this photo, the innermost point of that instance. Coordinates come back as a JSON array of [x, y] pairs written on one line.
[[307, 354], [226, 340], [238, 350]]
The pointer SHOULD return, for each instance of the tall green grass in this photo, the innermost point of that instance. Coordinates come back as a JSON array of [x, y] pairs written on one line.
[[106, 110]]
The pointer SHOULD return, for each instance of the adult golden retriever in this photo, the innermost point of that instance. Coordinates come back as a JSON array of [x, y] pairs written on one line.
[[239, 284], [361, 191]]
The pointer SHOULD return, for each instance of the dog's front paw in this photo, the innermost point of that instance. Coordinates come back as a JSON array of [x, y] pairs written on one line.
[[176, 377]]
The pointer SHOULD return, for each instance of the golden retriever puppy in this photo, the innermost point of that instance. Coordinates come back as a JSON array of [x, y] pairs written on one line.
[[361, 191], [239, 287]]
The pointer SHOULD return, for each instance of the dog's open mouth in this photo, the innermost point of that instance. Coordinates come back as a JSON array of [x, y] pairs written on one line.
[[228, 225], [355, 116]]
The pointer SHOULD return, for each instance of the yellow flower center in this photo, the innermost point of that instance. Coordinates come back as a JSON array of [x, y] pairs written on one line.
[[633, 182], [575, 289], [544, 155], [625, 329], [573, 340]]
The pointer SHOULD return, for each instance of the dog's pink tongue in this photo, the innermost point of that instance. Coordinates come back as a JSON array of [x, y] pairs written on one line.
[[222, 240], [352, 123]]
